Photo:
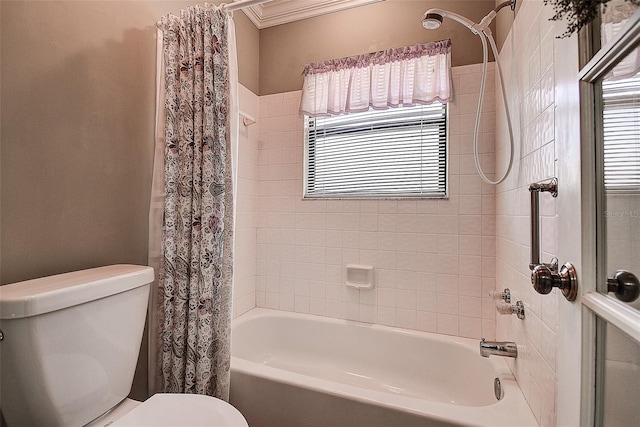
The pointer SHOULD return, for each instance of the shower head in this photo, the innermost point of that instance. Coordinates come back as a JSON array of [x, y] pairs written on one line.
[[432, 19]]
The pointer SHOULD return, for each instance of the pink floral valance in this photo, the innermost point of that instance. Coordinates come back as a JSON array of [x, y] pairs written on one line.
[[409, 75]]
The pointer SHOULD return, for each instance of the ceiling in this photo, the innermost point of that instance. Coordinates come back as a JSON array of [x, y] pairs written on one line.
[[278, 12]]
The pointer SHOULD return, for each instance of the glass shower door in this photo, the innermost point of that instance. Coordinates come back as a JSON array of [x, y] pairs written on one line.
[[612, 77]]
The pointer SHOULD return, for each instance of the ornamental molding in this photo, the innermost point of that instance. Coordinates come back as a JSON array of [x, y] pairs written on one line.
[[279, 12]]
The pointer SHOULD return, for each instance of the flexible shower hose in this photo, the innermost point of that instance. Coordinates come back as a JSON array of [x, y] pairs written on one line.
[[484, 35]]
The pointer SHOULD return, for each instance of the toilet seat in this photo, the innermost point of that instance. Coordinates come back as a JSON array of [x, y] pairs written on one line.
[[167, 409]]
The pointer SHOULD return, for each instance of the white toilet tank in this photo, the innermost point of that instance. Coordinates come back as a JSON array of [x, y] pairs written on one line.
[[70, 344]]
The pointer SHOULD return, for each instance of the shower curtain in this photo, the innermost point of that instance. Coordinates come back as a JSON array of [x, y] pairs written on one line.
[[191, 214]]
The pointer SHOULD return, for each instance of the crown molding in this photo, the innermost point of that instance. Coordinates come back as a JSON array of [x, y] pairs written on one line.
[[283, 11]]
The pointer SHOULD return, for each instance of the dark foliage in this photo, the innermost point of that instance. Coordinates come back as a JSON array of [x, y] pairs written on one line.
[[577, 12]]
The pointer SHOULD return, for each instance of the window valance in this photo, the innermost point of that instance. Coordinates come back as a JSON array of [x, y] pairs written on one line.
[[419, 74]]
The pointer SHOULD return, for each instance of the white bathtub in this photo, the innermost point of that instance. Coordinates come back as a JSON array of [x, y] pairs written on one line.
[[289, 369]]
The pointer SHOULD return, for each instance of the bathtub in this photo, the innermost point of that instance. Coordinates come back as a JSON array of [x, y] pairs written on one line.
[[290, 369]]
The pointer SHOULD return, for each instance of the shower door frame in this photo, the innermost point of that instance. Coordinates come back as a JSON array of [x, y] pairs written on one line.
[[595, 62]]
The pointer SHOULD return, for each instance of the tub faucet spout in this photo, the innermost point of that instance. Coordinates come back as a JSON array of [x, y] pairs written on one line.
[[498, 348]]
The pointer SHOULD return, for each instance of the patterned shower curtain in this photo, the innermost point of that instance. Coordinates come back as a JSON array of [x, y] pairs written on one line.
[[195, 272]]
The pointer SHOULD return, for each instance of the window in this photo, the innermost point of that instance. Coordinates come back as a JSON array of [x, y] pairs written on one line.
[[394, 153], [621, 132]]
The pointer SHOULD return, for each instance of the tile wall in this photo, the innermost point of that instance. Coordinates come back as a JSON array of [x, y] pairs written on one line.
[[528, 63], [623, 234], [434, 259], [244, 287]]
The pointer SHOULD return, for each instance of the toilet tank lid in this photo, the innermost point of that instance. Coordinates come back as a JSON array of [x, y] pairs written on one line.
[[46, 294]]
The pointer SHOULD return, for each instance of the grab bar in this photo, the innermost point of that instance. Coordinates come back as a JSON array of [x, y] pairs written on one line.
[[545, 277], [535, 189]]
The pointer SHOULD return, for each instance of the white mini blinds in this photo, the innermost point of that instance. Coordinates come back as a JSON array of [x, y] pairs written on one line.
[[400, 152], [621, 132], [376, 125]]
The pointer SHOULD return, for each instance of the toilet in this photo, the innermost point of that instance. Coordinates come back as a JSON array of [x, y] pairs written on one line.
[[68, 350]]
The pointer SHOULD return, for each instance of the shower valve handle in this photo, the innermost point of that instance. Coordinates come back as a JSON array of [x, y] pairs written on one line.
[[544, 280]]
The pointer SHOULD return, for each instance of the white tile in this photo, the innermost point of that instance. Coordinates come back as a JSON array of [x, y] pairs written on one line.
[[448, 244], [447, 324], [406, 318], [470, 306], [317, 306], [406, 299], [447, 283], [427, 322], [387, 316], [407, 279], [350, 311], [368, 313], [470, 286], [387, 297], [387, 222], [470, 224], [301, 304], [470, 245], [426, 301], [406, 242], [471, 265], [447, 224], [470, 327], [287, 302], [427, 243], [419, 247], [406, 223], [447, 304], [447, 264]]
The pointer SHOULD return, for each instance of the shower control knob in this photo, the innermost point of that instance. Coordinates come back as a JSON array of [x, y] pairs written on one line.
[[624, 285], [544, 280]]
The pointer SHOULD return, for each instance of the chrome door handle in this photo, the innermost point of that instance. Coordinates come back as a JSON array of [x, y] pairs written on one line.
[[624, 285], [545, 279]]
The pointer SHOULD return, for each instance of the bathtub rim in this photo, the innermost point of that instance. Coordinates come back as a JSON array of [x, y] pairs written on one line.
[[513, 400]]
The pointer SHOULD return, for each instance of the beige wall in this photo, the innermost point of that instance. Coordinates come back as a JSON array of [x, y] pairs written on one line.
[[248, 44], [78, 83], [285, 49], [504, 21], [78, 92]]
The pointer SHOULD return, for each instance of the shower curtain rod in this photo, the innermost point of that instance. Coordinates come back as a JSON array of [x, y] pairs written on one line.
[[241, 4]]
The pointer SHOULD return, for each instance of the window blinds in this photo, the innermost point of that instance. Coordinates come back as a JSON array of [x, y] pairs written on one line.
[[399, 152], [621, 127]]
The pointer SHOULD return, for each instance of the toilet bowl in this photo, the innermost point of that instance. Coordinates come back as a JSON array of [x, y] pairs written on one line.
[[69, 349], [173, 410]]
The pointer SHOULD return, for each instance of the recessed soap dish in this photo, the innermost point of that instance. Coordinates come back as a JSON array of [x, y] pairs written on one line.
[[359, 276]]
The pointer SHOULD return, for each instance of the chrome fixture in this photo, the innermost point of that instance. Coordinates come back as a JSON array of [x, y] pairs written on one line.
[[497, 388], [432, 20], [505, 308], [535, 189], [498, 348], [545, 277], [504, 295], [624, 285]]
